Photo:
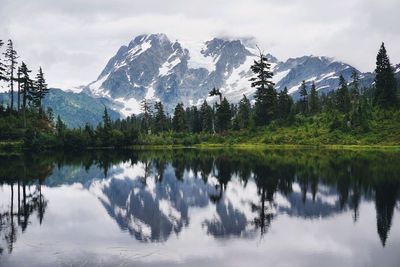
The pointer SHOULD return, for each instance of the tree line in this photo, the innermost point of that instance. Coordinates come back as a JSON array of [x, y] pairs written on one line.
[[348, 108]]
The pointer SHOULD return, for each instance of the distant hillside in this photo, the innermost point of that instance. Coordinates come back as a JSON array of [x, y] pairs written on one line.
[[75, 109]]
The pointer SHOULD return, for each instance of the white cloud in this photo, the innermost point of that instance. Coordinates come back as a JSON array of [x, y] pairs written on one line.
[[74, 39]]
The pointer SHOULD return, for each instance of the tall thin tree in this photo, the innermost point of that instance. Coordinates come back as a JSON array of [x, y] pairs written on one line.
[[11, 61]]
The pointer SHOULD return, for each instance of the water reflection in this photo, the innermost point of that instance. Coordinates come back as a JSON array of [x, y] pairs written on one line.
[[153, 195]]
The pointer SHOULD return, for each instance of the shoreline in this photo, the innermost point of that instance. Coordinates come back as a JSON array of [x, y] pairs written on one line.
[[17, 147]]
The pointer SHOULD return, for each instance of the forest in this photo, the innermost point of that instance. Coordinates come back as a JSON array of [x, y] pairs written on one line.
[[350, 115]]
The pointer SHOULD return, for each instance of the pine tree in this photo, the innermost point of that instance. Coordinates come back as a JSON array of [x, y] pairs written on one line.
[[243, 114], [26, 88], [354, 89], [303, 98], [285, 103], [194, 120], [265, 96], [107, 124], [160, 119], [11, 59], [223, 116], [385, 82], [314, 101], [3, 67], [179, 123], [146, 109], [343, 96], [41, 88], [206, 117]]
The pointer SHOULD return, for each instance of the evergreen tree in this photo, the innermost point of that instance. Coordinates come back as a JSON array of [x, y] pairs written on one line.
[[160, 119], [314, 101], [243, 114], [11, 59], [179, 123], [26, 88], [285, 103], [354, 88], [343, 96], [107, 124], [216, 92], [223, 116], [41, 88], [385, 82], [3, 67], [60, 127], [303, 103], [146, 109], [265, 96], [194, 120], [206, 117]]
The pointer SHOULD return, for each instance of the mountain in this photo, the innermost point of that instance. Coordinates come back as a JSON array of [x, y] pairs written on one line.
[[154, 67], [75, 109]]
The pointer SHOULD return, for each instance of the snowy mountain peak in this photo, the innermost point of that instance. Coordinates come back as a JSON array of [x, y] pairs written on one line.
[[152, 66]]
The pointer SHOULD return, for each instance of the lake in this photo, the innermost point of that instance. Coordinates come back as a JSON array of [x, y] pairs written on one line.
[[190, 207]]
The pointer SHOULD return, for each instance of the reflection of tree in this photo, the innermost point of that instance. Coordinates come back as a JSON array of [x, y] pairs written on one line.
[[30, 203], [267, 185], [385, 201]]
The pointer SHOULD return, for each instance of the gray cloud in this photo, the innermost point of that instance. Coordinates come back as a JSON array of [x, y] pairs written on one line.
[[73, 39]]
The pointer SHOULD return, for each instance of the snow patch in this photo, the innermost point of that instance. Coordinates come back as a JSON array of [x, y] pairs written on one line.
[[129, 106], [197, 60], [168, 66], [97, 87]]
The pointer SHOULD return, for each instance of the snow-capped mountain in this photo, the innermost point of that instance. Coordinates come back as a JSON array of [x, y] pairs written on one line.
[[154, 67]]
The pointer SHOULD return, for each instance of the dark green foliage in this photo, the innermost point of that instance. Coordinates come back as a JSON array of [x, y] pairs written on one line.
[[385, 83], [303, 102], [265, 96], [313, 100], [343, 96], [160, 119], [223, 116], [206, 117], [179, 121], [285, 104], [243, 113]]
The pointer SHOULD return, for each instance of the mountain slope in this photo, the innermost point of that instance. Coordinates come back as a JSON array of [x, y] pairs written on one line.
[[75, 109], [154, 67]]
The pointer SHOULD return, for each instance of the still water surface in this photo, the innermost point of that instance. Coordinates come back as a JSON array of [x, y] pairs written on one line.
[[200, 208]]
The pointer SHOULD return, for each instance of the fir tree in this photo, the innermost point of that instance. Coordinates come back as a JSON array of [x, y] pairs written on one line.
[[3, 67], [243, 114], [206, 117], [354, 89], [223, 116], [313, 102], [146, 109], [160, 119], [343, 96], [385, 83], [41, 88], [26, 88], [179, 123], [11, 59], [265, 96], [194, 120], [303, 98], [285, 103]]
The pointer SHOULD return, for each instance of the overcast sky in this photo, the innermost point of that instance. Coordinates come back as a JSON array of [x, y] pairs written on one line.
[[73, 39]]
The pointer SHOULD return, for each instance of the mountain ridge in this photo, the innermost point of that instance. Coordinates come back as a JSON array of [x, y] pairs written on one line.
[[153, 67]]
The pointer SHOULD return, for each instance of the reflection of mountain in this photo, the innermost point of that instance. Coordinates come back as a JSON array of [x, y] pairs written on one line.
[[154, 196], [152, 210]]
